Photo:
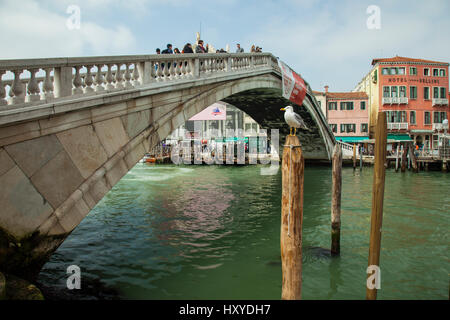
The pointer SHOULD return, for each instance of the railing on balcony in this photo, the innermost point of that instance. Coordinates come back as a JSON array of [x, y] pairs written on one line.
[[36, 81], [439, 102], [440, 126], [397, 126], [395, 100]]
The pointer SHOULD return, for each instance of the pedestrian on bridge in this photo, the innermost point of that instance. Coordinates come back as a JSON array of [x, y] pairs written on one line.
[[239, 49], [187, 48], [200, 48]]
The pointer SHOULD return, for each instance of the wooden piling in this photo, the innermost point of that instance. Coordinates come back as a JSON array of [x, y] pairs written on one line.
[[377, 197], [354, 156], [360, 158], [336, 200], [404, 149], [413, 159], [396, 159], [293, 166]]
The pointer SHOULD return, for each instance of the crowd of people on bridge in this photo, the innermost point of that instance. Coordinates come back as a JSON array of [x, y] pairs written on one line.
[[200, 48]]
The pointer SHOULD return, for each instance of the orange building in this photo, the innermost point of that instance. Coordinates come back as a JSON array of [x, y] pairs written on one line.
[[413, 93]]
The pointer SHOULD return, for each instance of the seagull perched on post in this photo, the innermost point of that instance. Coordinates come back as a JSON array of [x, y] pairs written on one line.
[[293, 120]]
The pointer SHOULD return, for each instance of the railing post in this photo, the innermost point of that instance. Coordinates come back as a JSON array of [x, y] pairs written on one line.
[[229, 59], [63, 82], [145, 72], [196, 68]]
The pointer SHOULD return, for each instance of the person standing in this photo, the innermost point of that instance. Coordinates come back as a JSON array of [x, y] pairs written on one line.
[[200, 48], [239, 49], [188, 48], [168, 50], [158, 51]]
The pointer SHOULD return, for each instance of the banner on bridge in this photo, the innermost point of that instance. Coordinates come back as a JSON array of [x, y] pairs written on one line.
[[294, 88]]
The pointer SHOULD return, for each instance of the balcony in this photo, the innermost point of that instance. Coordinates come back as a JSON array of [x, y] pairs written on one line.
[[439, 126], [439, 102], [395, 100], [397, 126]]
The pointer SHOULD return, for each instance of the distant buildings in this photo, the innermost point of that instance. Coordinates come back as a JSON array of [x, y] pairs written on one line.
[[413, 92], [347, 114]]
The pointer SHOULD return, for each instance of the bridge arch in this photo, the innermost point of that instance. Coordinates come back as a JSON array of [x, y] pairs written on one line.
[[54, 170]]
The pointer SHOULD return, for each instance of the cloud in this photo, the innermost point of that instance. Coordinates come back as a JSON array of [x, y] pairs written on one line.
[[30, 31]]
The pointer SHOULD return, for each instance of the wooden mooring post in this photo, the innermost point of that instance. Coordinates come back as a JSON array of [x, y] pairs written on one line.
[[404, 150], [412, 158], [293, 166], [377, 201], [396, 158], [354, 157], [336, 200], [360, 158]]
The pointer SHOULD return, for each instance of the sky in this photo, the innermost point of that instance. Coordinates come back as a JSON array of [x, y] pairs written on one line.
[[327, 42]]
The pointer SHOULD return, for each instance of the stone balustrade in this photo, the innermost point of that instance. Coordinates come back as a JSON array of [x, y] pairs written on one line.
[[38, 81]]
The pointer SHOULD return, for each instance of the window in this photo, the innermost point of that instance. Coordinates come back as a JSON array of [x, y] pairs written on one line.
[[364, 127], [403, 91], [396, 116], [386, 92], [443, 90], [412, 71], [348, 127], [435, 72], [426, 71], [333, 127], [427, 119], [385, 71], [412, 117], [332, 105], [346, 105], [438, 116], [363, 105], [401, 70], [436, 92], [426, 93], [413, 92], [442, 72], [394, 92], [248, 126], [393, 71]]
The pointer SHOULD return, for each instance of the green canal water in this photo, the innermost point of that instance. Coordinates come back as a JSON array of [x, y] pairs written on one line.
[[213, 232]]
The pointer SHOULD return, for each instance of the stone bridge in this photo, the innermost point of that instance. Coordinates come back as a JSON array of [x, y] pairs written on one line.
[[71, 128]]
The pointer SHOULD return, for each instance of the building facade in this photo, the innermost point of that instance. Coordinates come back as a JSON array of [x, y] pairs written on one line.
[[413, 93], [347, 114]]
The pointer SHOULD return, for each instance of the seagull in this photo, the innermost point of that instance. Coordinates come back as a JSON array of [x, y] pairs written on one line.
[[293, 120]]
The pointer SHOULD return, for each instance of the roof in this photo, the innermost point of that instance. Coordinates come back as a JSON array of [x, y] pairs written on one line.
[[347, 95], [405, 59], [318, 92]]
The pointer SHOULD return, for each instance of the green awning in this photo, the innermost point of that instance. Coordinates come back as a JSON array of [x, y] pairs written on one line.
[[399, 137], [351, 139]]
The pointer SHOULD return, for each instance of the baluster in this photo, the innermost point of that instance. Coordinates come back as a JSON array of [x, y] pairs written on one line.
[[159, 72], [77, 81], [33, 87], [47, 86], [3, 101], [109, 78], [136, 74], [166, 71], [172, 70], [88, 80], [213, 65], [99, 79], [183, 69], [190, 68], [119, 84], [16, 89], [127, 76]]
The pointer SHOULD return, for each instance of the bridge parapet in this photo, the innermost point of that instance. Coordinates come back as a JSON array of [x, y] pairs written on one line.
[[47, 80]]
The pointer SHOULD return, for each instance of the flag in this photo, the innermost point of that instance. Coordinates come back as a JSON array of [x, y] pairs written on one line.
[[293, 86]]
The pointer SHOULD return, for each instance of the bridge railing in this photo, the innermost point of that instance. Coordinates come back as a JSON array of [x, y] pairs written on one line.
[[38, 81]]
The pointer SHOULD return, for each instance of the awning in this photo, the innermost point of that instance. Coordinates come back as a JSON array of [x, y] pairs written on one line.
[[399, 137], [352, 139]]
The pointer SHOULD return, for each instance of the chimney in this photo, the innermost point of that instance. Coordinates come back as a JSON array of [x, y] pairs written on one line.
[[326, 89]]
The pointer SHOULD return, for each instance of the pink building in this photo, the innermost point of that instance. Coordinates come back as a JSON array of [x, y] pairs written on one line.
[[348, 115]]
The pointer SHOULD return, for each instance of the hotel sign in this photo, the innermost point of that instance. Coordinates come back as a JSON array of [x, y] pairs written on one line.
[[421, 80]]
